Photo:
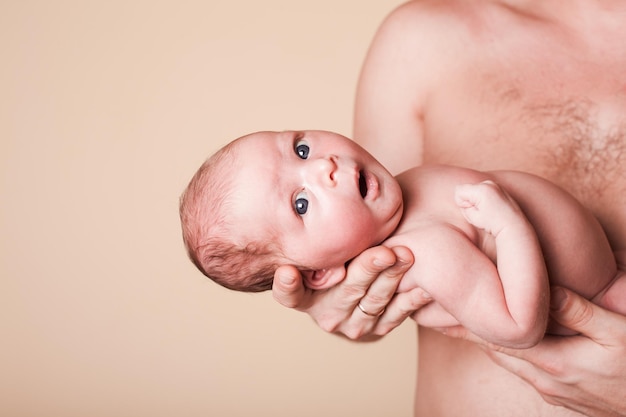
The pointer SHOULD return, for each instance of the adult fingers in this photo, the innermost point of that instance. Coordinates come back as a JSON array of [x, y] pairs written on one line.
[[572, 311], [370, 285], [581, 315], [382, 278], [400, 308], [361, 272], [540, 379]]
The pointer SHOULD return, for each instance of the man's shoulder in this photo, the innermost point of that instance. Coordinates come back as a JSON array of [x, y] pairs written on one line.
[[428, 15], [423, 39], [432, 21]]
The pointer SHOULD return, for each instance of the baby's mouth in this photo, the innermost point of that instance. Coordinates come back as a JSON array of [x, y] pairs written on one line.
[[362, 184]]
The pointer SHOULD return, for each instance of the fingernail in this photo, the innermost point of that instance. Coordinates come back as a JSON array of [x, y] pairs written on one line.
[[557, 298], [426, 295], [379, 263], [403, 262]]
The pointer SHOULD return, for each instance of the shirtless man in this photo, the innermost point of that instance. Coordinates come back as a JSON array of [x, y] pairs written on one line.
[[536, 86]]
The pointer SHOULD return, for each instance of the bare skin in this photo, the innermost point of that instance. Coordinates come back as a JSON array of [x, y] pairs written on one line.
[[535, 86]]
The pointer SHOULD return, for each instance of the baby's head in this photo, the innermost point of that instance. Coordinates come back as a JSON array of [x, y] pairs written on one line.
[[312, 199]]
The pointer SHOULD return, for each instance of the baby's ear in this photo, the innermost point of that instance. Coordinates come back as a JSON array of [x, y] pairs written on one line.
[[324, 278]]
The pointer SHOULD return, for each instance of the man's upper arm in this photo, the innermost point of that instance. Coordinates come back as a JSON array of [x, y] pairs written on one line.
[[401, 69]]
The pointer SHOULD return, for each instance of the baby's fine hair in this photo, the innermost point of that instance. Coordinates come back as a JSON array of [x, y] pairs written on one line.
[[206, 227]]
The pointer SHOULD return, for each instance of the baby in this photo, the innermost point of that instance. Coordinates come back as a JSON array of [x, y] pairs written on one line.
[[487, 244]]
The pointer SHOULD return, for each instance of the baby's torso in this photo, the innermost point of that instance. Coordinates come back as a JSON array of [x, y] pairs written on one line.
[[564, 227]]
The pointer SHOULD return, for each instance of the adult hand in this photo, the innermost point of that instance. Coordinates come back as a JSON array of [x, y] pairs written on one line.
[[371, 280], [585, 373]]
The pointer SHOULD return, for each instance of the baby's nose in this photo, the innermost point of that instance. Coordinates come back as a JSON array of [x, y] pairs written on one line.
[[324, 170]]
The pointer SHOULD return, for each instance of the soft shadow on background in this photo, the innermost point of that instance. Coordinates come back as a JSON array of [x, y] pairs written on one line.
[[106, 110]]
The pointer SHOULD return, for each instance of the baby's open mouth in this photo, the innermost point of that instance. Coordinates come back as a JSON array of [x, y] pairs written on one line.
[[362, 184]]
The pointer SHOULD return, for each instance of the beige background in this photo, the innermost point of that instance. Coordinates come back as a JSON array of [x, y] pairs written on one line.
[[106, 110]]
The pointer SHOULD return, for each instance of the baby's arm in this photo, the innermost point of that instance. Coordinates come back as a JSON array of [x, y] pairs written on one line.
[[520, 263]]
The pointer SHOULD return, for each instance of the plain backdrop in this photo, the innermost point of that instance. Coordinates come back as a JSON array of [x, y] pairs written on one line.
[[107, 108]]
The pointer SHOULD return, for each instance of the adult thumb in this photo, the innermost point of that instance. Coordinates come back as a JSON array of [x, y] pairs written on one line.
[[581, 315], [288, 288]]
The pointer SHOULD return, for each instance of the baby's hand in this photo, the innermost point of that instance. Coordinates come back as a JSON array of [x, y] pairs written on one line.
[[487, 206]]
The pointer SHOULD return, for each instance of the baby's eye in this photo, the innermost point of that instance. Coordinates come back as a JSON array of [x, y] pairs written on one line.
[[302, 149], [301, 203]]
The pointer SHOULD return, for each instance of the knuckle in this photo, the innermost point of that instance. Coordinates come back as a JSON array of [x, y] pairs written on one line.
[[548, 390], [583, 315], [352, 293], [328, 325], [553, 367], [377, 300], [549, 399], [384, 329], [354, 334], [405, 311]]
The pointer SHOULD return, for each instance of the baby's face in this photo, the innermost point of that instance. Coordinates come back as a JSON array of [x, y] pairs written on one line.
[[323, 196]]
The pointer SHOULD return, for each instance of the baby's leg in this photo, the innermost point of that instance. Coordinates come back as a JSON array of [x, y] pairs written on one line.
[[487, 206]]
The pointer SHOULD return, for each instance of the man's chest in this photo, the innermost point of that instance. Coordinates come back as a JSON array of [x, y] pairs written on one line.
[[569, 131]]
